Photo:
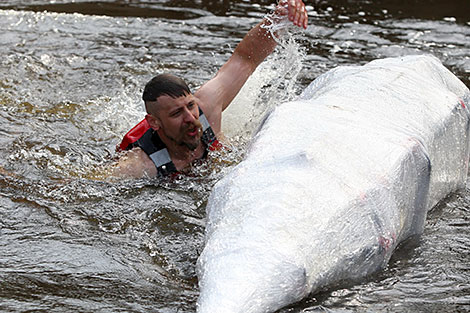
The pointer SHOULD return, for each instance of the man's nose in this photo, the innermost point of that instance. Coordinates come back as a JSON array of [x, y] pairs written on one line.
[[189, 116]]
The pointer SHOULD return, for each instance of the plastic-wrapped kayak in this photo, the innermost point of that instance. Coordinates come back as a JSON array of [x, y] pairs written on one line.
[[333, 182]]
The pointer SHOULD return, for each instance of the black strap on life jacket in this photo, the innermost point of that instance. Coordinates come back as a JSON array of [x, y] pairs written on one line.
[[144, 137]]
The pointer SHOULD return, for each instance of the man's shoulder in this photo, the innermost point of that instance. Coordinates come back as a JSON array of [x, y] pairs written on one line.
[[135, 163], [132, 136], [208, 105]]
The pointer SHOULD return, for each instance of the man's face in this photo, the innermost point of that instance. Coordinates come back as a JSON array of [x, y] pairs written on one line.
[[178, 120]]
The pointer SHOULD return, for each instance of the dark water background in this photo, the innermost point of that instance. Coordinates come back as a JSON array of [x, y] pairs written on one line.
[[70, 87]]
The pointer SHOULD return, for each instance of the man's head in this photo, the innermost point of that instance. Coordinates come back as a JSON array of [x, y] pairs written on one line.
[[163, 84], [173, 111]]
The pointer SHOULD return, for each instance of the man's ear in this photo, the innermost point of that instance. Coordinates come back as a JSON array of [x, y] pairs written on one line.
[[153, 122]]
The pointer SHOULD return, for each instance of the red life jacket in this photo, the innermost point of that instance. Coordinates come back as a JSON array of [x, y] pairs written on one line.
[[144, 137]]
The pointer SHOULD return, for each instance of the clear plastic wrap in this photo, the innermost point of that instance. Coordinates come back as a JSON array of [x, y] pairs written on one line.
[[333, 182]]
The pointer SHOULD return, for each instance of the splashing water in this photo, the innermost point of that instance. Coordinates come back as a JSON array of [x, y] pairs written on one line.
[[274, 82]]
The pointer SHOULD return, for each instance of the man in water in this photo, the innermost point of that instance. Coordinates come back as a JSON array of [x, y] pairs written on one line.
[[180, 127]]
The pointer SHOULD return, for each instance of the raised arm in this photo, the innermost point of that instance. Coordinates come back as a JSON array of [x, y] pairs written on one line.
[[219, 92]]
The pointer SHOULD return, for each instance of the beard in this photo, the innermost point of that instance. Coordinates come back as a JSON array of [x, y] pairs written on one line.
[[183, 139]]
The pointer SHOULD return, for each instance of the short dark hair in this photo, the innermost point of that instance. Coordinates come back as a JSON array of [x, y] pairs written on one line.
[[165, 84]]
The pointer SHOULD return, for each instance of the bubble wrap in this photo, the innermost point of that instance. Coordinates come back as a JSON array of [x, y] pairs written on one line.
[[333, 182]]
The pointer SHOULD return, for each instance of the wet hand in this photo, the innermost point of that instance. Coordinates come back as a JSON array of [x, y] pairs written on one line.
[[295, 10]]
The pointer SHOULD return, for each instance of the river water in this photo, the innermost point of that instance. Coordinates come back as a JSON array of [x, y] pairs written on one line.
[[71, 76]]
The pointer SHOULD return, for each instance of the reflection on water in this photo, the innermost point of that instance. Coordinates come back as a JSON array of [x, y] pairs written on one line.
[[70, 87], [456, 10]]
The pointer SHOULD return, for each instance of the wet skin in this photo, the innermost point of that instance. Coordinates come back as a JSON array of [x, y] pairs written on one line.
[[177, 122]]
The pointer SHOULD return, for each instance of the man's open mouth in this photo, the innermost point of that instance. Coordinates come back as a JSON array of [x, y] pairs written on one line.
[[193, 132]]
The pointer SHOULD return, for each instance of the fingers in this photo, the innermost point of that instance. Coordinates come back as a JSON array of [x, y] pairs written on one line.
[[297, 13], [295, 10], [282, 8]]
